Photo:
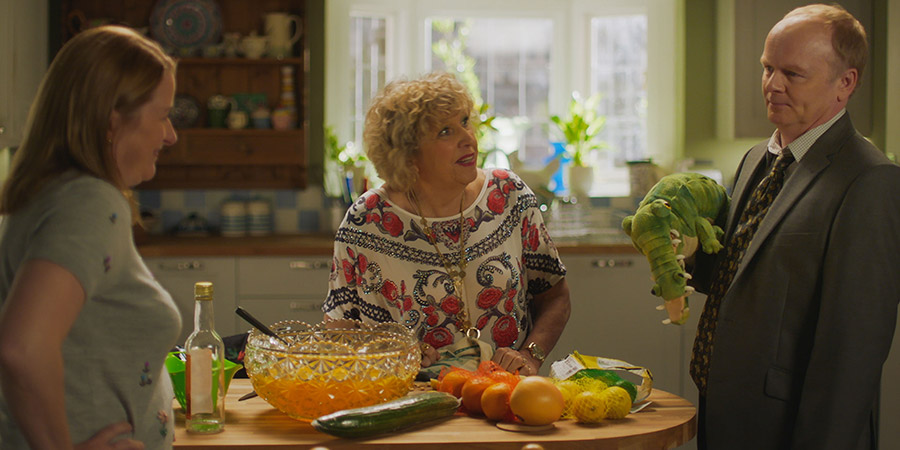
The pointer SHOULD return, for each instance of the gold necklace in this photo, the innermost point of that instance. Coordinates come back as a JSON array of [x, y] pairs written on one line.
[[457, 276]]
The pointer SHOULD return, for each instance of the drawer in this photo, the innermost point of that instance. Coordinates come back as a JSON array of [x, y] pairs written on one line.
[[305, 277], [269, 311], [246, 147]]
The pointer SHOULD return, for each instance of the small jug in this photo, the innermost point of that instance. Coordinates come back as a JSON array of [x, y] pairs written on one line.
[[253, 46], [282, 36]]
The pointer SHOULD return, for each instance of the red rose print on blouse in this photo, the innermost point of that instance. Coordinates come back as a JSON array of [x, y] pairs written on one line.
[[496, 201], [438, 337], [392, 224], [489, 297], [389, 291], [372, 201], [451, 305], [500, 173], [534, 239], [505, 331], [349, 271]]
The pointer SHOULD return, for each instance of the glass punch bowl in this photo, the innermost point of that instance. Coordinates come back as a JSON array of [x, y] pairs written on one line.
[[331, 366]]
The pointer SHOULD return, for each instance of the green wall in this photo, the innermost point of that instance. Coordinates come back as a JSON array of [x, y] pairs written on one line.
[[700, 140]]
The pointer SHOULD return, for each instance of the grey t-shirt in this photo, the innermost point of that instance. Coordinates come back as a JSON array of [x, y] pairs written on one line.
[[114, 353]]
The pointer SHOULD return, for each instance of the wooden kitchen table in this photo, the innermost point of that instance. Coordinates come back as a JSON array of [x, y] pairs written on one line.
[[667, 422]]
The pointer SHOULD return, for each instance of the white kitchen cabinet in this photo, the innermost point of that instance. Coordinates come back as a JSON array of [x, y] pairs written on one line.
[[23, 60], [283, 288], [178, 275], [613, 316]]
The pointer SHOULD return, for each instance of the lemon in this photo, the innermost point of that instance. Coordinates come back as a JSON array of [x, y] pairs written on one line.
[[589, 407], [617, 402], [569, 390], [592, 384]]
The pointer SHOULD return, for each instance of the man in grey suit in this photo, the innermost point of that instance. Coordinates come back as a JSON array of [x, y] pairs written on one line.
[[791, 343]]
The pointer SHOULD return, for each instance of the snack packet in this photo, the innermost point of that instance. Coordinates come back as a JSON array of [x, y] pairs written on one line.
[[577, 366]]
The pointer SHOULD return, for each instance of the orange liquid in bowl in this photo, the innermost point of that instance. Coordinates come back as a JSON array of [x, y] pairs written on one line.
[[329, 370], [307, 400]]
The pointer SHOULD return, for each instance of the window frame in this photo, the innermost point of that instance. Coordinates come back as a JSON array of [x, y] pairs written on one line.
[[407, 55]]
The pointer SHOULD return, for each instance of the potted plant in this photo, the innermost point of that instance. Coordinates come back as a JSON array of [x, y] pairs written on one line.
[[580, 130], [347, 167]]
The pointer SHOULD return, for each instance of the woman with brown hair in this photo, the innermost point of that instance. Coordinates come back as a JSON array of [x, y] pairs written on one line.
[[84, 328]]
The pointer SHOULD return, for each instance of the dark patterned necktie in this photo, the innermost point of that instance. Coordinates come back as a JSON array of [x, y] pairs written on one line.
[[756, 209]]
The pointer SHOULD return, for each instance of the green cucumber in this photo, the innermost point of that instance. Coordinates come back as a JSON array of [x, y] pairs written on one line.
[[390, 416]]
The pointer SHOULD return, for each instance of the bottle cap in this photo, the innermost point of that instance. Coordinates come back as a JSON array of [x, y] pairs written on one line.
[[203, 290]]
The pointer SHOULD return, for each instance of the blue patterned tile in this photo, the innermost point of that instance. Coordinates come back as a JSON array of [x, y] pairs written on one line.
[[195, 199], [150, 199], [308, 220], [170, 219], [285, 198]]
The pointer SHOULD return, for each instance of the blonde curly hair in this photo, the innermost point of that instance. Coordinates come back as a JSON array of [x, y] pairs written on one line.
[[402, 114]]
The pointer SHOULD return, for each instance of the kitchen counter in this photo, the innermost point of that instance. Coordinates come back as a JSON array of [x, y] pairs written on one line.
[[307, 245], [667, 422]]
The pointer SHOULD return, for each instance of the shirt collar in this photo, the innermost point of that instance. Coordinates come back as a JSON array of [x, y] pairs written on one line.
[[802, 144]]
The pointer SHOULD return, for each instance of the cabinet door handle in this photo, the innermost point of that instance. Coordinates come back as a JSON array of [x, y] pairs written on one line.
[[182, 265], [610, 263], [309, 265], [305, 306]]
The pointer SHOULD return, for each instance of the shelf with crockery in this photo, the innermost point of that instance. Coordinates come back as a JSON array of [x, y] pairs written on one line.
[[230, 49]]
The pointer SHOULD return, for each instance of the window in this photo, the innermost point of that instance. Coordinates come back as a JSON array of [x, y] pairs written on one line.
[[529, 56], [367, 55]]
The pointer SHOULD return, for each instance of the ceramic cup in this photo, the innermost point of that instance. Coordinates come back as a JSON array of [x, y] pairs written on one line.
[[238, 119], [283, 31], [234, 218], [254, 47]]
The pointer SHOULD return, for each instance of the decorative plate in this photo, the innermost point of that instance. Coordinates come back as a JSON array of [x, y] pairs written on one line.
[[185, 111], [186, 26]]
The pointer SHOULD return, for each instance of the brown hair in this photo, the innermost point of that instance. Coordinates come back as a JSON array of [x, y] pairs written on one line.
[[848, 37], [401, 115], [101, 70]]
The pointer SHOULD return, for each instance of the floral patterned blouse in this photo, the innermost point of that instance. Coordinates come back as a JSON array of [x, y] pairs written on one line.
[[386, 269]]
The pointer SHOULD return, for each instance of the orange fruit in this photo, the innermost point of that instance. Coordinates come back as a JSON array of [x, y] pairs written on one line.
[[495, 401], [452, 383], [537, 401], [472, 391], [502, 376]]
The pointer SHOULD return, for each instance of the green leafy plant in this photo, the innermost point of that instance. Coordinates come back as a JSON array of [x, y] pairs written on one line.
[[581, 128], [344, 155], [341, 160]]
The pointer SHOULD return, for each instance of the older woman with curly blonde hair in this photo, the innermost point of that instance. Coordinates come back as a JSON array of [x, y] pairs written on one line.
[[458, 254]]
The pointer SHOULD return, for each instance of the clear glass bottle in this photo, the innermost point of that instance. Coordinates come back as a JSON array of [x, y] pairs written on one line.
[[205, 368]]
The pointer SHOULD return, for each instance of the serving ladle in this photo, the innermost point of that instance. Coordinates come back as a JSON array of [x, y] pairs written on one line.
[[261, 327]]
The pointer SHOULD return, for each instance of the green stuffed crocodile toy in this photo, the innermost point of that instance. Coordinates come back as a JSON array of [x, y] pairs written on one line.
[[674, 216]]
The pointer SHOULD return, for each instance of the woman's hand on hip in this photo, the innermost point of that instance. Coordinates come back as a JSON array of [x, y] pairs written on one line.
[[104, 439]]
